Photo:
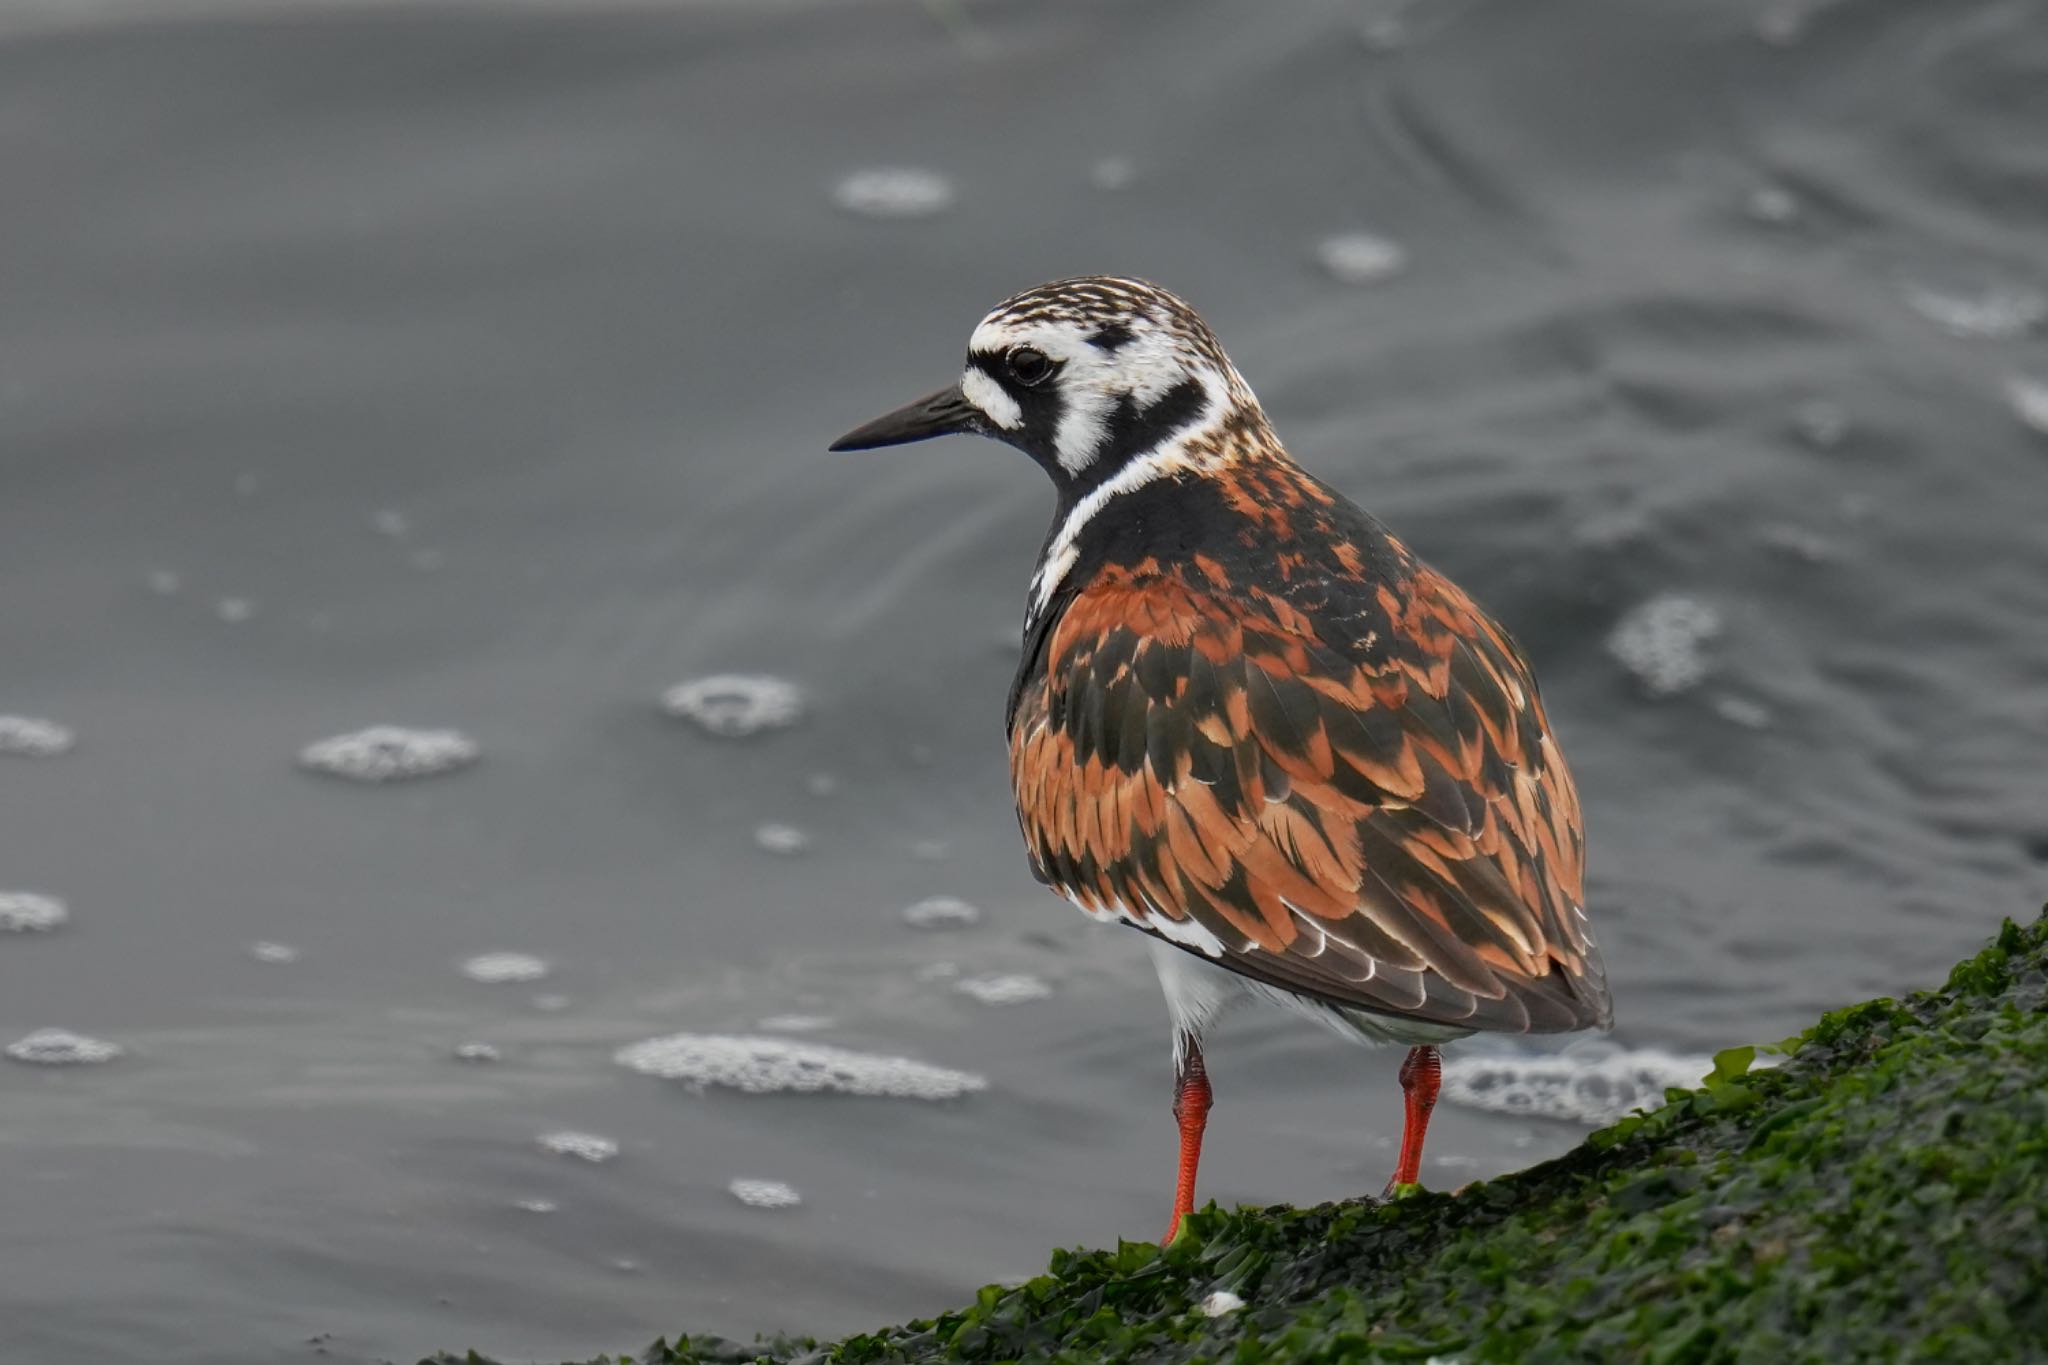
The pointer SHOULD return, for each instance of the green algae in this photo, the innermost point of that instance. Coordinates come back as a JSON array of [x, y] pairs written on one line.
[[1882, 1195]]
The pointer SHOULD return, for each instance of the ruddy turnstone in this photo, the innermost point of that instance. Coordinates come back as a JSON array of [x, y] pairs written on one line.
[[1250, 723]]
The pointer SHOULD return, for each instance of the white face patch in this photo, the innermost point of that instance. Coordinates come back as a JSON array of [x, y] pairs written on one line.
[[988, 395], [1092, 381]]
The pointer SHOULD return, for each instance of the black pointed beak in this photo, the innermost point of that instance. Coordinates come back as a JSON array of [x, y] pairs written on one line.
[[944, 413]]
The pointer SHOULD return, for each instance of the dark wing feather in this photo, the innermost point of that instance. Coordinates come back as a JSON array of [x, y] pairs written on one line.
[[1381, 824]]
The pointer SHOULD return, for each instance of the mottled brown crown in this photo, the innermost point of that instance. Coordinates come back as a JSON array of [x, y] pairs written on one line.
[[1108, 302]]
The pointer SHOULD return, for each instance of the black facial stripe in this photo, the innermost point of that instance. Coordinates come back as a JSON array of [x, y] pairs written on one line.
[[1110, 337], [1039, 407], [1132, 429]]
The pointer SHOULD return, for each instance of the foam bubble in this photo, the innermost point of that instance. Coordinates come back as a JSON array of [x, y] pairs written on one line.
[[1361, 258], [797, 1023], [498, 968], [390, 753], [765, 1194], [163, 582], [736, 704], [390, 523], [1800, 542], [1220, 1303], [28, 912], [1821, 424], [33, 737], [477, 1053], [1113, 173], [1991, 312], [61, 1047], [1772, 204], [535, 1205], [2029, 399], [234, 610], [1589, 1083], [766, 1066], [1783, 26], [1660, 640], [583, 1146], [894, 192], [942, 912], [784, 839], [1750, 715], [263, 950], [1011, 988]]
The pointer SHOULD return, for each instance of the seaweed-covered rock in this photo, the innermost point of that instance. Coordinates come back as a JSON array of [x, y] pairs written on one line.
[[1883, 1195]]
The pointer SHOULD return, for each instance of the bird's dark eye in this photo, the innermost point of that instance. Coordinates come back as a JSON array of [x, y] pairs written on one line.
[[1029, 367]]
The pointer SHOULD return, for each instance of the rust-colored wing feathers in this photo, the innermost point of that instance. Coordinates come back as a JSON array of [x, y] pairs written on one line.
[[1380, 823]]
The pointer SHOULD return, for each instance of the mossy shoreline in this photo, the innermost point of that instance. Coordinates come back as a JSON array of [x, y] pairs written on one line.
[[1881, 1195]]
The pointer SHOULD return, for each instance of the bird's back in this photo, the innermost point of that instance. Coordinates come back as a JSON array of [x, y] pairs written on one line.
[[1250, 722]]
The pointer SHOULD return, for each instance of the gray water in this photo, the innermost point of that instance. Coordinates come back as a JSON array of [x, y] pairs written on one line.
[[471, 365]]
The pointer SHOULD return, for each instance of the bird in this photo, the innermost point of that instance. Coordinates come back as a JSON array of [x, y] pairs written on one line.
[[1251, 724]]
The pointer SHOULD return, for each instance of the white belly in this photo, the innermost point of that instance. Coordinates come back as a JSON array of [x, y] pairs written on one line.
[[1198, 990]]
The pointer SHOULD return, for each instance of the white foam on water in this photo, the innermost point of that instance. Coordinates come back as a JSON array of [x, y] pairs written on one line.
[[477, 1053], [1008, 988], [783, 839], [30, 912], [1113, 173], [1660, 641], [234, 610], [499, 968], [34, 737], [535, 1205], [1821, 424], [390, 523], [769, 1066], [163, 582], [583, 1146], [1750, 715], [1783, 26], [1220, 1303], [1992, 312], [2029, 399], [1591, 1082], [942, 912], [822, 785], [1361, 258], [734, 705], [1772, 204], [765, 1194], [797, 1023], [390, 753], [894, 192], [264, 950], [61, 1047], [1800, 542]]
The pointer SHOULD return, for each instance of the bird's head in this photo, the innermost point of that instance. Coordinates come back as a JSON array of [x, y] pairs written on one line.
[[1085, 376]]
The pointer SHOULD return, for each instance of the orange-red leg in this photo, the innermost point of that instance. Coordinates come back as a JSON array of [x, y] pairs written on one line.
[[1420, 1075], [1191, 1101]]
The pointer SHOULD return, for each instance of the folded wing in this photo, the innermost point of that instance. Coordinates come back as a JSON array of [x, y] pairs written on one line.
[[1380, 821]]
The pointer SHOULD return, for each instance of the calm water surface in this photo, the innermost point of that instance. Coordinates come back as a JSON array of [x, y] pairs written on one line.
[[471, 366]]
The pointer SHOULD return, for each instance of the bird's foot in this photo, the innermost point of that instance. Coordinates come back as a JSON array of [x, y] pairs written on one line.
[[1397, 1190]]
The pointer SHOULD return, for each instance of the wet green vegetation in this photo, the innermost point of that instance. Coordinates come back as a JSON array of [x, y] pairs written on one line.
[[1880, 1195]]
